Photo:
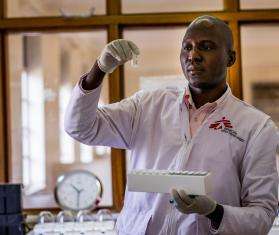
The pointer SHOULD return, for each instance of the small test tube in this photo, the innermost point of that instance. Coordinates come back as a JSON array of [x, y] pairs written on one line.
[[135, 61]]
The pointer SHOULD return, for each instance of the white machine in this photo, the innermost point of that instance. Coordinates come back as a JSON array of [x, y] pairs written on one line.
[[162, 181]]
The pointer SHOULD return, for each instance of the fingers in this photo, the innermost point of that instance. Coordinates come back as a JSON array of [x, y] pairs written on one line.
[[127, 50], [181, 198], [116, 53], [185, 197], [113, 52], [122, 49], [179, 203], [134, 48]]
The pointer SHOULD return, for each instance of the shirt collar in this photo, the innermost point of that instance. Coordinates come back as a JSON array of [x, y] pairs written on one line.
[[185, 96]]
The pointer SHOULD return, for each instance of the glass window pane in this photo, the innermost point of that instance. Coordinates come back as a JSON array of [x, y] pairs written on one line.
[[41, 79], [259, 4], [260, 68], [259, 47], [33, 8], [158, 63], [145, 6]]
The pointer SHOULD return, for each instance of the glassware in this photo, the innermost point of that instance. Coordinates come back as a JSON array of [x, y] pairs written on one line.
[[46, 217]]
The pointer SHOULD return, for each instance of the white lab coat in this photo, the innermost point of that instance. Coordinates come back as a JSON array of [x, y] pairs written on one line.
[[155, 126]]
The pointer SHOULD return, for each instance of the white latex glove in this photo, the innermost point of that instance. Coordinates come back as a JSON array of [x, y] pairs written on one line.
[[116, 53], [198, 204]]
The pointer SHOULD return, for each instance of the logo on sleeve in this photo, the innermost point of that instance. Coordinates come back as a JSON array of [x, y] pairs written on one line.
[[225, 125]]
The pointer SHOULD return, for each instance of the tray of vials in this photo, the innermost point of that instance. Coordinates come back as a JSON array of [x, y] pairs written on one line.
[[162, 181], [75, 228]]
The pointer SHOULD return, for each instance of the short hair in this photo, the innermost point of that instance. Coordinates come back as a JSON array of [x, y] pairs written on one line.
[[219, 23]]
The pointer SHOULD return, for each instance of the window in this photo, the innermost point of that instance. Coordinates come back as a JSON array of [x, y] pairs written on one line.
[[259, 48], [66, 8], [33, 157], [67, 152], [260, 65], [144, 6], [157, 62], [41, 82], [258, 4]]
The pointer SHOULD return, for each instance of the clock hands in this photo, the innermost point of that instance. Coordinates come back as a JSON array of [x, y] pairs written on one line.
[[75, 188], [78, 193]]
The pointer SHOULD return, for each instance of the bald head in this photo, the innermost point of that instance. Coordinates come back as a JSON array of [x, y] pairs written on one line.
[[206, 53], [213, 23]]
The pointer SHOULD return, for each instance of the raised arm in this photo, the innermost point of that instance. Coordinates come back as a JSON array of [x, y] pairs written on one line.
[[110, 125]]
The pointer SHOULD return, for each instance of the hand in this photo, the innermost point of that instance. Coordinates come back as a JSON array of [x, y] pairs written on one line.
[[116, 53], [192, 204]]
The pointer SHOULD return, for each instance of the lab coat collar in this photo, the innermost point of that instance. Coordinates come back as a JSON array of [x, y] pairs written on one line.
[[189, 101]]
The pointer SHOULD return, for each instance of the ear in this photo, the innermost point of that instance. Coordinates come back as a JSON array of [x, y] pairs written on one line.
[[231, 58]]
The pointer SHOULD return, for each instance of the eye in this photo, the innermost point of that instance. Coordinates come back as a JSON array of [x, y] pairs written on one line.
[[206, 46], [187, 47]]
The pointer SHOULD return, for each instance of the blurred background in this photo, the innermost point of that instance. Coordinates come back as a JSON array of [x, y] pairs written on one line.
[[47, 45]]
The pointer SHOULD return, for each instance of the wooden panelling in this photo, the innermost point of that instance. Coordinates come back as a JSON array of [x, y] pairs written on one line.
[[3, 103], [231, 5], [22, 24], [235, 78], [3, 116], [116, 93], [113, 7], [234, 73], [2, 9]]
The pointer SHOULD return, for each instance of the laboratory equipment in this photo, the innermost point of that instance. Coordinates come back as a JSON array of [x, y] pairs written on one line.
[[101, 223], [77, 193], [135, 61], [162, 181]]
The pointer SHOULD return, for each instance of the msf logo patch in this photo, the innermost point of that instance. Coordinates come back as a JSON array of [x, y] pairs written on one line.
[[225, 125]]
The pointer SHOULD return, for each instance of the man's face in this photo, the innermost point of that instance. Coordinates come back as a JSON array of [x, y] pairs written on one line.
[[204, 56]]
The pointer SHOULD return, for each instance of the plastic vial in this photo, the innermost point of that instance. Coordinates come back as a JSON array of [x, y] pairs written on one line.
[[135, 61]]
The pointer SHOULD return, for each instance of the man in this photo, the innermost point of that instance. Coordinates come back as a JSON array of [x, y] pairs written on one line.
[[202, 127]]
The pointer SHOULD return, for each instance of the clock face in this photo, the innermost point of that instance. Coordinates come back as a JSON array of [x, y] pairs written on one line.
[[78, 190]]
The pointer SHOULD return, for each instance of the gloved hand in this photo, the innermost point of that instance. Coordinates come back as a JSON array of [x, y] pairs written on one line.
[[116, 53], [192, 204]]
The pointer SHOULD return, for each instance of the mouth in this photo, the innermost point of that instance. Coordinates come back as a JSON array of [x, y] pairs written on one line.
[[195, 71]]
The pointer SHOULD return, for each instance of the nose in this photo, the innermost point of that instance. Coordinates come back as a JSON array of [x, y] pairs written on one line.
[[194, 56]]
